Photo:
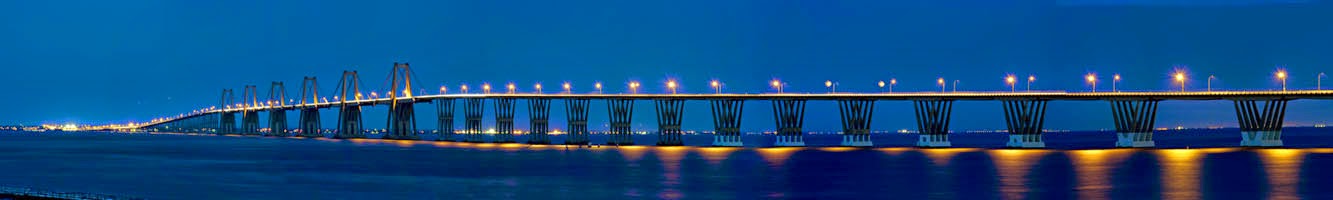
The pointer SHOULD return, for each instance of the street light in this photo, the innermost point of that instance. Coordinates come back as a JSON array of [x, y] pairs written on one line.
[[892, 82], [955, 85], [1180, 78], [634, 87], [671, 84], [1092, 79], [1115, 80], [1282, 75], [881, 86], [1031, 78], [1210, 82], [538, 87], [486, 88], [443, 89], [566, 86], [941, 82], [717, 87], [777, 84], [598, 85], [1319, 81], [510, 86], [1010, 80], [829, 84], [464, 88]]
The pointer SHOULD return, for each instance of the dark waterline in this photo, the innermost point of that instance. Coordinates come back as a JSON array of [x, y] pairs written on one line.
[[165, 166]]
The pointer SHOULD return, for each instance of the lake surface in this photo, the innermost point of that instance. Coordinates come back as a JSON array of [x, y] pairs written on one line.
[[176, 166]]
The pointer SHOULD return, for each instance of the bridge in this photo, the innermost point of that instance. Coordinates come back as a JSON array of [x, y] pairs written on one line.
[[1260, 113]]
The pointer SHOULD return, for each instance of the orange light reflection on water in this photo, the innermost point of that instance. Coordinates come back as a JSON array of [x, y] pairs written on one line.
[[1093, 169], [1284, 169], [838, 149], [1014, 166], [670, 158], [941, 157], [894, 151], [1180, 173], [776, 156], [631, 153], [715, 155]]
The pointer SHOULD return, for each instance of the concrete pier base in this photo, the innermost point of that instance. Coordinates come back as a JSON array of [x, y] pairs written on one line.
[[1025, 141], [1134, 140], [930, 140], [727, 141], [858, 140], [790, 141], [1261, 138]]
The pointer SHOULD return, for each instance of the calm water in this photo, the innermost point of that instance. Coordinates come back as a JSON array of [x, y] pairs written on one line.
[[166, 166]]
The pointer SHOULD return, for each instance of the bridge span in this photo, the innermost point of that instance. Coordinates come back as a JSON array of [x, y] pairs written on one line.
[[1260, 113]]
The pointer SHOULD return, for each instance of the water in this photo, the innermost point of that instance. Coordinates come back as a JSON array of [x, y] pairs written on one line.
[[170, 166]]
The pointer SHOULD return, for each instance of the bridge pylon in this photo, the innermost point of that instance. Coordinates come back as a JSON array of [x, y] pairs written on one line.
[[576, 111], [277, 117], [539, 112], [504, 120], [473, 110], [250, 114], [932, 122], [727, 122], [790, 117], [856, 115], [1025, 119], [670, 114], [349, 114], [621, 115], [226, 119], [402, 121], [1261, 127], [309, 119], [445, 110], [1134, 119]]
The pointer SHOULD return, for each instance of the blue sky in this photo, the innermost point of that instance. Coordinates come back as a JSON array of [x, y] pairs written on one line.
[[100, 61]]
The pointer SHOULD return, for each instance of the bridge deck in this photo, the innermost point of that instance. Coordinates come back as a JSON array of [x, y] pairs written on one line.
[[900, 96]]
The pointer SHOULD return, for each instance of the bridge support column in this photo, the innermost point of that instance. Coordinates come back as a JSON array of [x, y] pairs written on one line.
[[576, 111], [445, 110], [472, 110], [932, 121], [790, 117], [250, 122], [402, 122], [227, 123], [1261, 127], [349, 123], [1025, 119], [504, 120], [539, 112], [856, 115], [621, 113], [670, 113], [310, 122], [727, 122], [277, 123], [1134, 121]]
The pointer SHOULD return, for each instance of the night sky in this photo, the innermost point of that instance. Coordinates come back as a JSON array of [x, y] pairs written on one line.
[[118, 61]]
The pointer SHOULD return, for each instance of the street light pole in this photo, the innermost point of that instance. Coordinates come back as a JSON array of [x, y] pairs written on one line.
[[1282, 75], [1210, 82], [1030, 79], [891, 83], [1115, 80], [1319, 82]]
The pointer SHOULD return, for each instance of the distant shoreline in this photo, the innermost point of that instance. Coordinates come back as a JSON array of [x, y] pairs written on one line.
[[29, 193]]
